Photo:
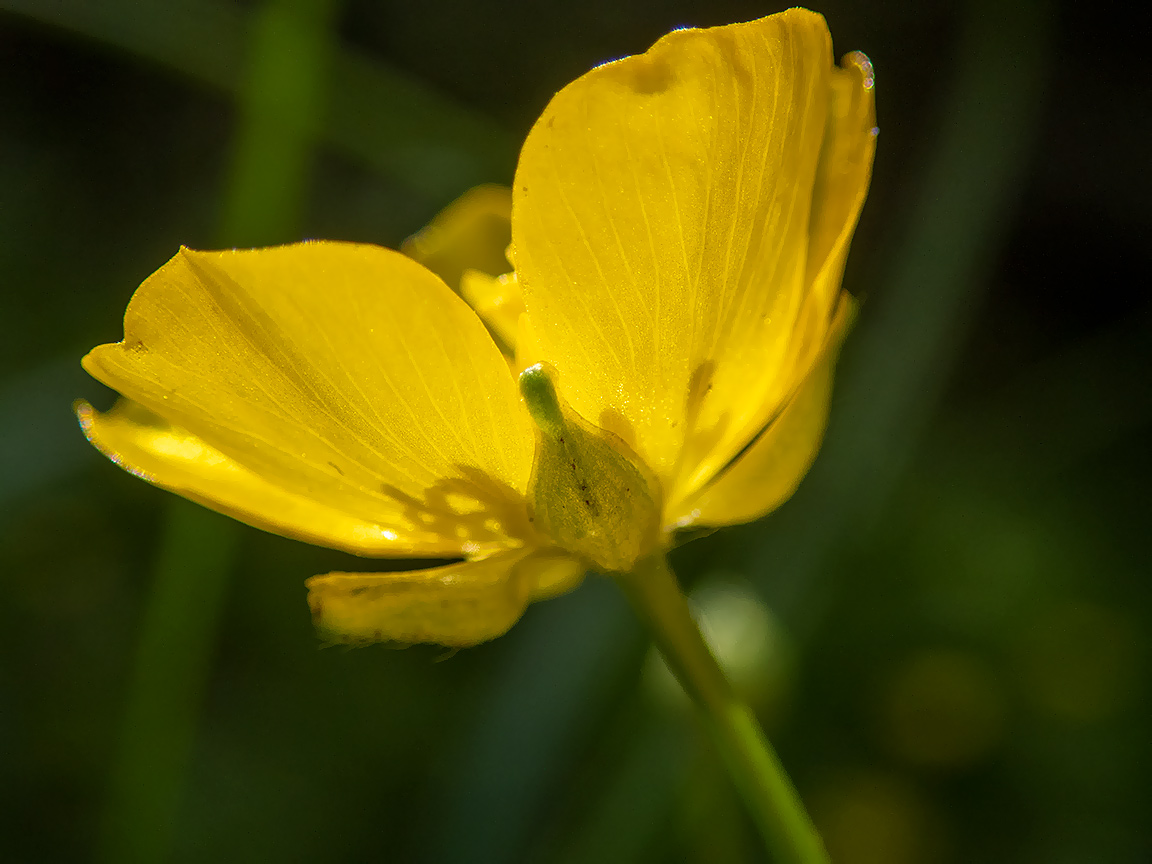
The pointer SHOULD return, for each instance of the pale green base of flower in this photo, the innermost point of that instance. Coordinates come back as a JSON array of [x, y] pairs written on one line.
[[752, 764]]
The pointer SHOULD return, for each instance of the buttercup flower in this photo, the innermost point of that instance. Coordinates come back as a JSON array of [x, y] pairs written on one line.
[[659, 357]]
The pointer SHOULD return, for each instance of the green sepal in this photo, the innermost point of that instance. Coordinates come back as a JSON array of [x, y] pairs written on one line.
[[589, 491]]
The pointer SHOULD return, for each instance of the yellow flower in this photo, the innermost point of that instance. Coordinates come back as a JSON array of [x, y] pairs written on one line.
[[679, 224]]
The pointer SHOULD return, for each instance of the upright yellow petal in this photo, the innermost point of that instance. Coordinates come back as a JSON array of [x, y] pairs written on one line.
[[345, 374], [660, 231], [841, 184], [458, 605]]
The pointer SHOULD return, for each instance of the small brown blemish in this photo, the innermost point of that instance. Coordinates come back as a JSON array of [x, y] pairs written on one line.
[[337, 467], [356, 592]]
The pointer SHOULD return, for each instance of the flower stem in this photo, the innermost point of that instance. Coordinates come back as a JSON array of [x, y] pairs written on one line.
[[751, 762]]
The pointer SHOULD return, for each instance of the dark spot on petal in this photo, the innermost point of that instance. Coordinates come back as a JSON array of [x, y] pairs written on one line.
[[648, 75]]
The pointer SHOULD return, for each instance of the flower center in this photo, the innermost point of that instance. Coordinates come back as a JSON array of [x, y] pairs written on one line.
[[589, 492]]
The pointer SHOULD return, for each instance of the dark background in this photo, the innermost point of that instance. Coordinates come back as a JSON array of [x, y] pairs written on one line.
[[958, 598]]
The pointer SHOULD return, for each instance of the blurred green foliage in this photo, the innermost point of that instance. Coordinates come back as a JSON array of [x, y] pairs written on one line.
[[959, 593]]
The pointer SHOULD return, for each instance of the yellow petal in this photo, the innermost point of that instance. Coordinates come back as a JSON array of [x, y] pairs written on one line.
[[660, 225], [458, 605], [174, 459], [841, 184], [766, 474], [551, 573], [345, 374], [471, 233], [528, 351], [499, 303]]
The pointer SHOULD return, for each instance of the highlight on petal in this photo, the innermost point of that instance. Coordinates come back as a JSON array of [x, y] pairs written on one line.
[[660, 232], [766, 474], [471, 233], [458, 605], [347, 375], [172, 458]]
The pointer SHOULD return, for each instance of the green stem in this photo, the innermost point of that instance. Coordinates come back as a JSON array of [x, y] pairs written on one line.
[[751, 762], [173, 660]]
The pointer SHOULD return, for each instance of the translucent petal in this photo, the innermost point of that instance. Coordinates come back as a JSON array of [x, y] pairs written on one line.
[[345, 374], [458, 605], [766, 474], [175, 459], [660, 232]]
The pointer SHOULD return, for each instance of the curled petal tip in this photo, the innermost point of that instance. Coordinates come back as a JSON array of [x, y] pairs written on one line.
[[861, 61]]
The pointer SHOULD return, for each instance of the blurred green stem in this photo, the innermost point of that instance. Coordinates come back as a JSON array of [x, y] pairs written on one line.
[[751, 762], [281, 111], [279, 114], [197, 549]]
